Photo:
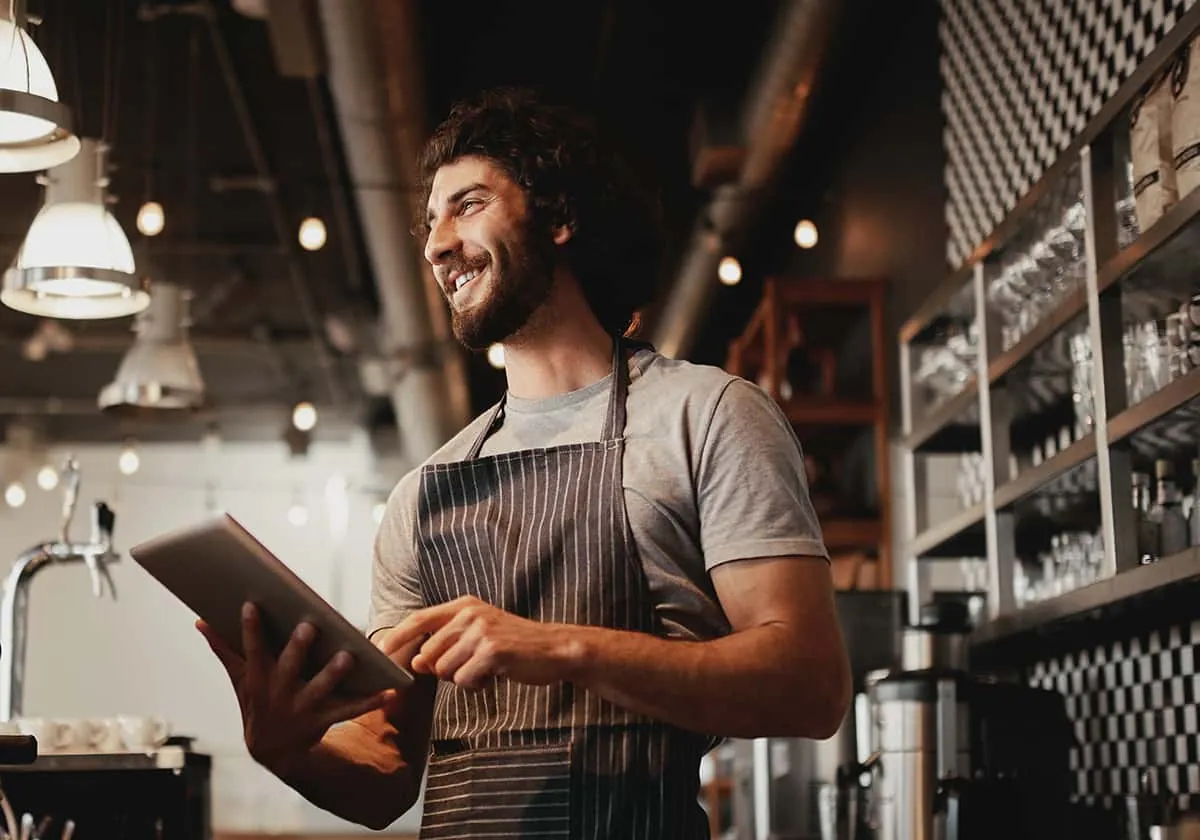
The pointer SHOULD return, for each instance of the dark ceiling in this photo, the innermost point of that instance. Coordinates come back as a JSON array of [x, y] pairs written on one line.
[[148, 77]]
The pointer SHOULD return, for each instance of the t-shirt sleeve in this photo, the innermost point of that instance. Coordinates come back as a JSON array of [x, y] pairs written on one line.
[[751, 487], [395, 582]]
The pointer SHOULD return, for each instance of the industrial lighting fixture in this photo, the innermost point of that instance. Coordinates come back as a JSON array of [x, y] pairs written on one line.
[[35, 128], [805, 233], [75, 261], [159, 376], [312, 234], [729, 271]]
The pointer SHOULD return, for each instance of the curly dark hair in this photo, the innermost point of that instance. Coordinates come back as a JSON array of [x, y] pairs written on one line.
[[571, 175]]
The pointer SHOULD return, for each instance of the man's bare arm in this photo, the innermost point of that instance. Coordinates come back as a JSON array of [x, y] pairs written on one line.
[[782, 671]]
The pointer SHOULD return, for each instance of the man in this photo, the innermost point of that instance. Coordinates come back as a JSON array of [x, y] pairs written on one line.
[[597, 579]]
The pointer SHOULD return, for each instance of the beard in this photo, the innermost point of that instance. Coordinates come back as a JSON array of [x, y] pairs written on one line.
[[522, 274]]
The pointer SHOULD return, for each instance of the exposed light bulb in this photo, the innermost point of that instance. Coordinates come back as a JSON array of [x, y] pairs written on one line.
[[378, 511], [47, 478], [150, 219], [14, 494], [806, 233], [730, 271], [304, 416], [312, 234], [129, 461], [298, 515], [495, 356]]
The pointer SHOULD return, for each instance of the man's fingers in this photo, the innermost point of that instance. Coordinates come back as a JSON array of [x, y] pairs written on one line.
[[477, 672], [453, 657], [359, 706], [326, 680], [229, 657], [420, 623], [252, 644], [291, 660], [437, 644]]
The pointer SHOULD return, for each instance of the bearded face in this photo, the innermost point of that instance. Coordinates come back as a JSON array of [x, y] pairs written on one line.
[[493, 265]]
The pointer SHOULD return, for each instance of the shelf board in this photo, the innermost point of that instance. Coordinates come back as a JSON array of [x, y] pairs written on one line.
[[164, 758], [1069, 307], [1091, 600], [852, 533], [1037, 477], [930, 436], [821, 411], [1159, 242], [959, 536], [1159, 404]]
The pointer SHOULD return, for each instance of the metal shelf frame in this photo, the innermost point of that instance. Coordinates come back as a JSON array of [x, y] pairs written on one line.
[[1093, 156]]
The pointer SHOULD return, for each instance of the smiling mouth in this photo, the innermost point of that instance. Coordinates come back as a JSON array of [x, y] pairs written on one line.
[[465, 278]]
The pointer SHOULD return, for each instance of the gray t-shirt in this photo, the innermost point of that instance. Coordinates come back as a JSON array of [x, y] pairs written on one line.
[[713, 473]]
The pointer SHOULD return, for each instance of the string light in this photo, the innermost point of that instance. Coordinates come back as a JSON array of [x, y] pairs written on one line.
[[14, 494], [151, 219], [730, 271], [805, 234], [47, 478], [312, 234], [304, 416], [495, 356]]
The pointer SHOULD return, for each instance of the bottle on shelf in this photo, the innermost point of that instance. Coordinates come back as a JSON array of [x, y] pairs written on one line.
[[1167, 512], [1147, 527]]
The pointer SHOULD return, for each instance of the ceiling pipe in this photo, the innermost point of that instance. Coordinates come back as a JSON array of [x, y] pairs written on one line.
[[375, 80], [777, 101]]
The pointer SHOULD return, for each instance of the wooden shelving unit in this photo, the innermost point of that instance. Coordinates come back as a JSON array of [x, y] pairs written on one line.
[[790, 311]]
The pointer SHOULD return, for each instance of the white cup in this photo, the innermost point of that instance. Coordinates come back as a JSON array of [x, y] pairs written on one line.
[[143, 733], [52, 735], [106, 735]]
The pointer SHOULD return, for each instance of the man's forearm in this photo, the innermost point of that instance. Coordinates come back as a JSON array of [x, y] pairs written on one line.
[[350, 774], [754, 683]]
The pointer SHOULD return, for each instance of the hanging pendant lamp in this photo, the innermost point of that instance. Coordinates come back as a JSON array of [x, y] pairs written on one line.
[[76, 261], [35, 128], [159, 377]]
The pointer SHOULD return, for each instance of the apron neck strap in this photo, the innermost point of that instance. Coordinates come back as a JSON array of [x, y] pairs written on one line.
[[614, 419]]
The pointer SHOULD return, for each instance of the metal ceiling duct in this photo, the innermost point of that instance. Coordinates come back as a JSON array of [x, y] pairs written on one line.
[[776, 103], [375, 80]]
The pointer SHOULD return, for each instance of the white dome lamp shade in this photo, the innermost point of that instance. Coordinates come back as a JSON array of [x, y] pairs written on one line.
[[35, 128], [159, 378], [75, 262]]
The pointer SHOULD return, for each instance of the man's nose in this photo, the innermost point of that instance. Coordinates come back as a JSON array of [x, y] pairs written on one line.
[[442, 242]]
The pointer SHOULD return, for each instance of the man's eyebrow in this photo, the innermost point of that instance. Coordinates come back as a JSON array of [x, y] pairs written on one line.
[[457, 196]]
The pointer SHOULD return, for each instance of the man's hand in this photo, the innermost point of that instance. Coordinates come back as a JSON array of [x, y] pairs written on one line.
[[284, 715], [470, 643]]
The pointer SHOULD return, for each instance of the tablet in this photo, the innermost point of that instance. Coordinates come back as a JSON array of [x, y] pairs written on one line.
[[217, 566]]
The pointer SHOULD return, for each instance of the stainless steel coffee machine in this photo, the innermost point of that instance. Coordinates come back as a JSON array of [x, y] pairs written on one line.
[[962, 755]]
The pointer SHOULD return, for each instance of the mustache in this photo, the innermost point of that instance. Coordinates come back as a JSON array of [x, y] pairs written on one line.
[[463, 265]]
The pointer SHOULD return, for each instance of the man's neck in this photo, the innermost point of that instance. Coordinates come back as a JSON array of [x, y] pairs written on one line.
[[562, 349]]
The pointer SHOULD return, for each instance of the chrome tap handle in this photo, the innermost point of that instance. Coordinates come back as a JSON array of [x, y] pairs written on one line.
[[70, 475], [103, 520]]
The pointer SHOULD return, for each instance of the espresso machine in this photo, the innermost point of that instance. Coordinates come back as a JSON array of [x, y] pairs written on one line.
[[960, 754]]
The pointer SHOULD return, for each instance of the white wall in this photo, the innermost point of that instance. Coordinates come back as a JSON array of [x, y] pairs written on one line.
[[141, 654]]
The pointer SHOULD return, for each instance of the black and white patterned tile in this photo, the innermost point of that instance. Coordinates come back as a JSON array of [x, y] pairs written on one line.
[[1021, 79], [1135, 706]]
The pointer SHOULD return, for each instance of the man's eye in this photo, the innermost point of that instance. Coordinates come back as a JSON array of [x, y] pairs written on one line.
[[469, 204]]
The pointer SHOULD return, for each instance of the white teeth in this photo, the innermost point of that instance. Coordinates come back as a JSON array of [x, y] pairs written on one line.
[[463, 279]]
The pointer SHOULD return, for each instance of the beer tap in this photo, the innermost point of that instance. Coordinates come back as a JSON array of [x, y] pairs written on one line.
[[96, 554]]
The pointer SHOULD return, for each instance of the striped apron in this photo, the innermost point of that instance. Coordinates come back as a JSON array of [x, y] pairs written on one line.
[[542, 533]]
